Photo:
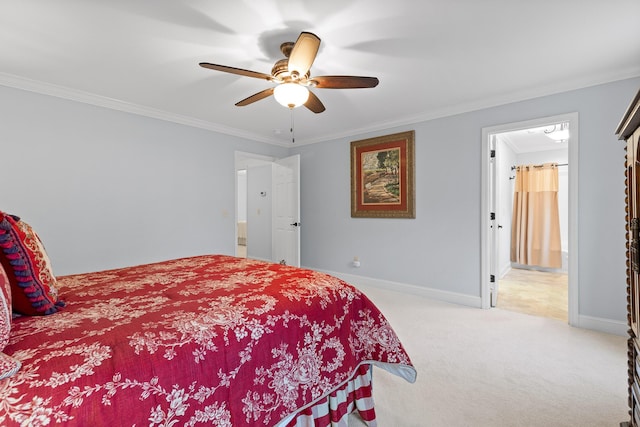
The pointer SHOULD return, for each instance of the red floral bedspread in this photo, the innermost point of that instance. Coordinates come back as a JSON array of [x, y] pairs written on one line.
[[209, 340]]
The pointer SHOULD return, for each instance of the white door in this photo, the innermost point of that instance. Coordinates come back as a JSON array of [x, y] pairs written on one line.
[[286, 211]]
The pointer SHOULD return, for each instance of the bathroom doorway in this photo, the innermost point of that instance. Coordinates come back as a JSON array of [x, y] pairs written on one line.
[[506, 147]]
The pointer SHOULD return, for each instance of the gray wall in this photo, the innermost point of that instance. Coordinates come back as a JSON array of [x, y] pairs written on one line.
[[107, 189], [242, 195], [440, 249], [259, 212]]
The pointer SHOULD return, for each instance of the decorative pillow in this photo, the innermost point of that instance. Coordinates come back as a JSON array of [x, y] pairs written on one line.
[[5, 308], [8, 365], [33, 285]]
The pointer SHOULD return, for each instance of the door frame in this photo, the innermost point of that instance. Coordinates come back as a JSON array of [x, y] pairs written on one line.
[[488, 228], [244, 160]]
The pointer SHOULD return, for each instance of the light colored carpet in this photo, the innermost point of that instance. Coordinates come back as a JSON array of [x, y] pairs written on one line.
[[497, 368]]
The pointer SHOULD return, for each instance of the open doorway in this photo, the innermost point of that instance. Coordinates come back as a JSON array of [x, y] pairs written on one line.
[[253, 206], [538, 287], [241, 212], [504, 148], [267, 225]]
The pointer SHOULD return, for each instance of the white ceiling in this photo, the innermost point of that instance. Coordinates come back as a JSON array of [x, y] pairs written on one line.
[[534, 139], [433, 57]]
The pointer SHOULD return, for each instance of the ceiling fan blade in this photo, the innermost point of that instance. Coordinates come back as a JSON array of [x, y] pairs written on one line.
[[344, 82], [233, 70], [314, 104], [303, 53], [255, 97]]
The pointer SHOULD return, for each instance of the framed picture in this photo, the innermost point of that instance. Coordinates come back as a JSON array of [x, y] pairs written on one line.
[[382, 177]]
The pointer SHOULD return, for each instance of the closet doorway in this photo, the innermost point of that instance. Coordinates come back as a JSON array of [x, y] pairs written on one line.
[[267, 225], [550, 290], [253, 206]]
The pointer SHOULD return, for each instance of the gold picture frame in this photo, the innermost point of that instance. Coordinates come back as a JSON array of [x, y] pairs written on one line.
[[382, 177]]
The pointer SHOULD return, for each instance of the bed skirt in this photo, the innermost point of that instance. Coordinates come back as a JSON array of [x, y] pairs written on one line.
[[333, 410]]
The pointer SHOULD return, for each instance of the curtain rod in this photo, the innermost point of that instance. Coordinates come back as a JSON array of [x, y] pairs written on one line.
[[539, 166]]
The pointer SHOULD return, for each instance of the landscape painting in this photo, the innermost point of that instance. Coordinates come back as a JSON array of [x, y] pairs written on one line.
[[382, 177]]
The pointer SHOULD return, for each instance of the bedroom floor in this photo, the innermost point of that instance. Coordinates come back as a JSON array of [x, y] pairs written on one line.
[[497, 368], [534, 292]]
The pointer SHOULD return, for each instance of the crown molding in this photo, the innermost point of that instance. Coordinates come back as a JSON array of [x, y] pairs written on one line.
[[63, 92], [23, 83]]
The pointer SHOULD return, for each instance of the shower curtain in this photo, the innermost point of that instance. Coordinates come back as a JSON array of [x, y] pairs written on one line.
[[535, 226]]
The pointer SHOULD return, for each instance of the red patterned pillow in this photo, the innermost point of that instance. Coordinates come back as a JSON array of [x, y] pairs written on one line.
[[8, 365], [33, 285]]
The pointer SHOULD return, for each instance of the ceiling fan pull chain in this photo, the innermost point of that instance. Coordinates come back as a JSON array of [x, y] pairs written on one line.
[[293, 136]]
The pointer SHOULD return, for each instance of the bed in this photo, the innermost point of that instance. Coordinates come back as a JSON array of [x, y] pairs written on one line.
[[205, 340]]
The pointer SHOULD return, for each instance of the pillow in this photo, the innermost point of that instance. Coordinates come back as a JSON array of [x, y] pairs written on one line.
[[8, 365], [33, 285]]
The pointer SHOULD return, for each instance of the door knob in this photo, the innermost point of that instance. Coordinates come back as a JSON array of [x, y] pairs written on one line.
[[296, 224]]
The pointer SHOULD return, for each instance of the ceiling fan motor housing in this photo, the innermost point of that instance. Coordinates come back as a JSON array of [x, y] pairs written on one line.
[[280, 72]]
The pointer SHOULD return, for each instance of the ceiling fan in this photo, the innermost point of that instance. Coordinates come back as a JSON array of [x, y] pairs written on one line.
[[292, 75]]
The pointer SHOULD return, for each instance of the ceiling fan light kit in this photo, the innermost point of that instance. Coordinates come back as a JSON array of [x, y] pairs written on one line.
[[291, 95], [292, 76], [559, 132]]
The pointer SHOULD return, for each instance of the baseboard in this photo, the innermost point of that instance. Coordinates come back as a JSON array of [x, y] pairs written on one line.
[[437, 294], [603, 325], [586, 322], [504, 271]]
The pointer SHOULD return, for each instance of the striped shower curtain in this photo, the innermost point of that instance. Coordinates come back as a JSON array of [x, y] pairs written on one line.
[[535, 226]]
